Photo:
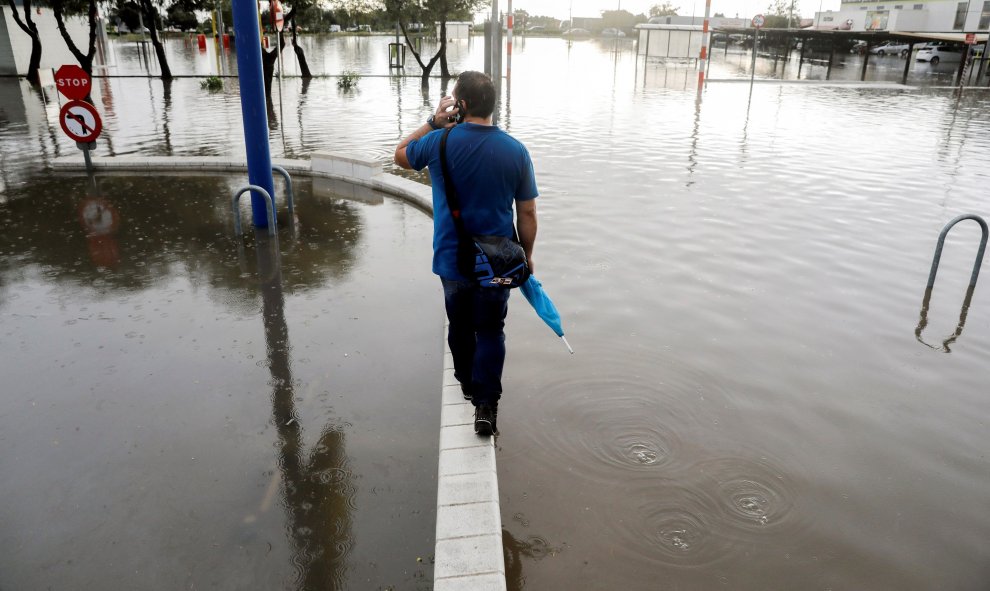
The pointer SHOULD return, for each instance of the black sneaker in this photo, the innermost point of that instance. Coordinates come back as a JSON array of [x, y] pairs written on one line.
[[484, 420]]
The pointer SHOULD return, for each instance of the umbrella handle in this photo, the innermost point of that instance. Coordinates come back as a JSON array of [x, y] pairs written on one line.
[[566, 344]]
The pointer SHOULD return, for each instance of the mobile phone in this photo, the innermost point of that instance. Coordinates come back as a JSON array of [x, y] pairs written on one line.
[[461, 109]]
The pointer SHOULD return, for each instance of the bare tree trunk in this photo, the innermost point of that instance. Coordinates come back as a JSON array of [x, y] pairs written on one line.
[[427, 67], [85, 60], [268, 59], [444, 71], [300, 56], [31, 29], [149, 14]]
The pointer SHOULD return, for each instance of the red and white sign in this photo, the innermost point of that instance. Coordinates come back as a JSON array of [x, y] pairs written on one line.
[[73, 82], [759, 20], [80, 121], [970, 38], [278, 15]]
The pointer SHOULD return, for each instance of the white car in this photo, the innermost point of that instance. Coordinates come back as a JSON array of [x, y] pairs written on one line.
[[611, 32], [940, 54]]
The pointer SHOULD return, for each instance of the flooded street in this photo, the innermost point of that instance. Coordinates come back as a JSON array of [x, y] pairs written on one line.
[[182, 413], [741, 277]]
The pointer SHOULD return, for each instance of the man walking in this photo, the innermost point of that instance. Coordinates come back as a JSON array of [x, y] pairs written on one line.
[[491, 170]]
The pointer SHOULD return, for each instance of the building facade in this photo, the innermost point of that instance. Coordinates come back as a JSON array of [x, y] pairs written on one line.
[[908, 16]]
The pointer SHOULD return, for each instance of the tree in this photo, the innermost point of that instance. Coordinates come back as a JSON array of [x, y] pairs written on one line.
[[62, 8], [520, 18], [451, 10], [665, 9], [181, 15], [409, 11], [442, 11], [619, 19], [151, 21], [27, 25], [780, 14], [298, 7], [129, 13]]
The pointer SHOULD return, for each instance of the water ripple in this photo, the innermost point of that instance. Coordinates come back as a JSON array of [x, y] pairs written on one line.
[[673, 527], [754, 497]]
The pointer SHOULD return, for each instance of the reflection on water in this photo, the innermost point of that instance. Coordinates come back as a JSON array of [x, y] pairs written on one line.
[[145, 357], [923, 320], [514, 550], [318, 490], [748, 408]]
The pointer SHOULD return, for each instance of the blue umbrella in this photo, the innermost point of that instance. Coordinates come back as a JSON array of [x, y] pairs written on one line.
[[533, 290]]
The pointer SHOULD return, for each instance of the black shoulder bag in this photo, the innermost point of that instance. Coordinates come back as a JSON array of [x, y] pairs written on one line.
[[492, 261]]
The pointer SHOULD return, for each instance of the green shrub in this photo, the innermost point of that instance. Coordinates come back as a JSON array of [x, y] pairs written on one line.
[[348, 80], [212, 83]]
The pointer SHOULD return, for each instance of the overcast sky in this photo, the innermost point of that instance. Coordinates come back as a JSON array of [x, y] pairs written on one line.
[[743, 8]]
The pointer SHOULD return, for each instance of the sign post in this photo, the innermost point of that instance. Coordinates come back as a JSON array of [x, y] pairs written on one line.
[[758, 22], [278, 17], [78, 119]]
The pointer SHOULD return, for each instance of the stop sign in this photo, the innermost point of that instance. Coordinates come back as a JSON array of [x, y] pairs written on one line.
[[73, 82]]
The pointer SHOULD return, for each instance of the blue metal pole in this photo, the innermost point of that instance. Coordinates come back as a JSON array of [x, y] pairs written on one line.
[[253, 109]]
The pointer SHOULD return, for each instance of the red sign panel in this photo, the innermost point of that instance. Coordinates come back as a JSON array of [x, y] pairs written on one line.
[[970, 38], [278, 15], [80, 121], [759, 20], [73, 82]]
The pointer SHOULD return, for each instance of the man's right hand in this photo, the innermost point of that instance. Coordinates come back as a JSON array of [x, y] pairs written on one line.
[[445, 115]]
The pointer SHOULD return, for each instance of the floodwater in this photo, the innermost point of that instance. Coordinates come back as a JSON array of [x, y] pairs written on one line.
[[181, 411], [758, 399]]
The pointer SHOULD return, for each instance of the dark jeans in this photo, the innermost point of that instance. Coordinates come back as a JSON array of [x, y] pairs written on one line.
[[477, 316]]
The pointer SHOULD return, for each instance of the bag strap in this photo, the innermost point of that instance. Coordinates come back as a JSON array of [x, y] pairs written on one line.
[[453, 202]]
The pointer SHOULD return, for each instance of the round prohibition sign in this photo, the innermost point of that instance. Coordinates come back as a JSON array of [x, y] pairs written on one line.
[[759, 20], [80, 121]]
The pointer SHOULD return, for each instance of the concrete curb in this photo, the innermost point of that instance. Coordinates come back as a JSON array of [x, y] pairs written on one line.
[[469, 522], [468, 552]]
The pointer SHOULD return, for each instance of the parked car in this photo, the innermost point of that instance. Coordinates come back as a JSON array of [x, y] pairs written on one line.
[[891, 48], [577, 33], [858, 47], [536, 29], [334, 28], [611, 32], [940, 53]]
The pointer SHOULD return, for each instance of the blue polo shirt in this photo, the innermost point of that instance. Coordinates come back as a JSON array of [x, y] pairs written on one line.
[[491, 169]]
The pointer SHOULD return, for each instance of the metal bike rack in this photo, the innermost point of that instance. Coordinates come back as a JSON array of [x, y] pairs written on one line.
[[289, 199], [923, 320], [269, 208], [941, 243]]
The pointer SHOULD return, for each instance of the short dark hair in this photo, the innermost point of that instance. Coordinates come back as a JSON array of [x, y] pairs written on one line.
[[478, 91]]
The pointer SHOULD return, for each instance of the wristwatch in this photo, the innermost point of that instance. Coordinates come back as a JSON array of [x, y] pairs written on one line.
[[432, 124]]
